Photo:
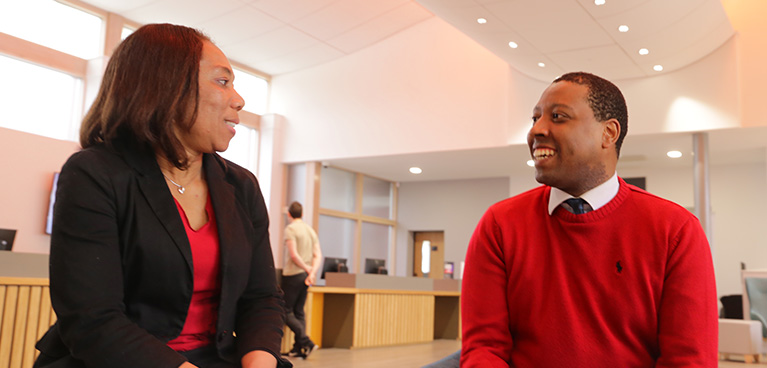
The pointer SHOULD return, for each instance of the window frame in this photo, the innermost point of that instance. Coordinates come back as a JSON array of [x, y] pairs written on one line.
[[90, 72]]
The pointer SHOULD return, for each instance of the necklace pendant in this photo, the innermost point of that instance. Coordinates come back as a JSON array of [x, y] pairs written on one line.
[[181, 190]]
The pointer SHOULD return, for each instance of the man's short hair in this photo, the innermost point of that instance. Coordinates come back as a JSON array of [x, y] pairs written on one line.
[[605, 99], [296, 210]]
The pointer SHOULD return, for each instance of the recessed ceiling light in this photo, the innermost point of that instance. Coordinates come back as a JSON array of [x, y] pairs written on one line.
[[644, 51], [599, 2], [530, 163], [542, 65], [658, 68], [623, 28], [513, 45], [415, 170], [674, 154], [481, 20]]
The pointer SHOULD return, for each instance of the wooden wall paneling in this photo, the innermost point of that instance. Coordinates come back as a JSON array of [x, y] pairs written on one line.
[[393, 319], [30, 332], [47, 317], [19, 329], [25, 315], [7, 323]]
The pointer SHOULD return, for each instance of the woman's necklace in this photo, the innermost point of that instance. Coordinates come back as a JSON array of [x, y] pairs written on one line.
[[180, 187]]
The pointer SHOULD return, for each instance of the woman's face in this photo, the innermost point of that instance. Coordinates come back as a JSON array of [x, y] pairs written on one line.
[[217, 106]]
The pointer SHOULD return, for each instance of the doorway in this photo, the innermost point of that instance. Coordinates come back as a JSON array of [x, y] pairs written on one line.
[[429, 254]]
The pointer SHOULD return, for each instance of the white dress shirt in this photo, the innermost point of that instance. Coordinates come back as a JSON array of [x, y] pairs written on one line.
[[595, 198]]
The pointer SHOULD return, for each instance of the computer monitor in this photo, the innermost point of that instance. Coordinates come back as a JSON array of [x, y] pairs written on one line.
[[6, 239], [332, 264], [377, 266]]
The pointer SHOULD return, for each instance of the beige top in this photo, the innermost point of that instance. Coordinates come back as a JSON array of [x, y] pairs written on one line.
[[304, 237]]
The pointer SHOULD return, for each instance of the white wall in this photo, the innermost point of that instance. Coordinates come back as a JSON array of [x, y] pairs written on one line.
[[454, 207], [26, 176], [428, 88]]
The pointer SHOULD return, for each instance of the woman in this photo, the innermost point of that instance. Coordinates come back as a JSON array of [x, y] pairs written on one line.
[[160, 255]]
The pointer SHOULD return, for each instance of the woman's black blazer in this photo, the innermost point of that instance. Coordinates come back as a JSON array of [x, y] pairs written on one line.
[[121, 264]]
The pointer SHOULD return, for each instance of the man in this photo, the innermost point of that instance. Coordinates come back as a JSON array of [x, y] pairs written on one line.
[[299, 273], [629, 283]]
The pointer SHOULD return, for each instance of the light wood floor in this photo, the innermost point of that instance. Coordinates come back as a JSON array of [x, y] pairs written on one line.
[[415, 356], [405, 356], [737, 362]]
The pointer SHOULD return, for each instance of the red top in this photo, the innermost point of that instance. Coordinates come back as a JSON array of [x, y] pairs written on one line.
[[628, 285], [200, 325]]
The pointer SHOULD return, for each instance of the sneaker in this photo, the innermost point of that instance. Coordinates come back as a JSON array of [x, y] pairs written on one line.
[[309, 350]]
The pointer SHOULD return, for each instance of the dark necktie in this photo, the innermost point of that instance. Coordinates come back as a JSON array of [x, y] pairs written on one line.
[[578, 205]]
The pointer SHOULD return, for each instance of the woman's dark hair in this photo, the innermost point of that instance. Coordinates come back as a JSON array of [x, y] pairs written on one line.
[[149, 89], [605, 99]]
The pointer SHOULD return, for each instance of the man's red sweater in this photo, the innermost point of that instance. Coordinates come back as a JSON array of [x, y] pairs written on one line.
[[628, 285]]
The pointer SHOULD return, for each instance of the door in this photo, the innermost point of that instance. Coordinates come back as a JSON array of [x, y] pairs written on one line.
[[429, 254]]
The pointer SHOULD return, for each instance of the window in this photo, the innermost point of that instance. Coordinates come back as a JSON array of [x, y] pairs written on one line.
[[336, 237], [54, 25], [126, 32], [375, 242], [366, 203], [253, 89], [338, 190], [39, 100], [45, 92], [376, 197], [243, 148]]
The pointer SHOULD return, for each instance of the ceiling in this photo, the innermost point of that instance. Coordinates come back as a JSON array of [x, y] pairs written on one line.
[[283, 36], [280, 36], [578, 35]]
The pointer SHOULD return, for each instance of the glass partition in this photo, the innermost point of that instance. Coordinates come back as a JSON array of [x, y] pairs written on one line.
[[375, 243], [338, 190], [337, 238], [376, 197]]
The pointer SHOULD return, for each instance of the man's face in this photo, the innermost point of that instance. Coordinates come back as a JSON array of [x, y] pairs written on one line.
[[567, 143]]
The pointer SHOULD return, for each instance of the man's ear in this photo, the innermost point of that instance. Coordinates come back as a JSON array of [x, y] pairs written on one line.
[[610, 133]]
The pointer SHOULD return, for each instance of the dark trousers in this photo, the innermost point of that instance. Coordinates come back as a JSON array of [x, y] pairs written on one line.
[[295, 298], [205, 357]]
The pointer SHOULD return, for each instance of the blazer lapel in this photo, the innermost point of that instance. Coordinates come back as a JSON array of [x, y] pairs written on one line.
[[155, 190], [225, 207]]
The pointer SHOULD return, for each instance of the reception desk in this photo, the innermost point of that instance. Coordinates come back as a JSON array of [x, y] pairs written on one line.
[[25, 307], [351, 311], [356, 311]]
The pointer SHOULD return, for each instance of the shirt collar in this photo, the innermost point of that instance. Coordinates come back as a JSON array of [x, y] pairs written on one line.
[[596, 197]]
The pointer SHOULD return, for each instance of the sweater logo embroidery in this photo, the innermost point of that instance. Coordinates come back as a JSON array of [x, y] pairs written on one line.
[[618, 266]]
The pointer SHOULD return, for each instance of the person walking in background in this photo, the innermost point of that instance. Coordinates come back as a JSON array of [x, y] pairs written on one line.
[[300, 272], [587, 271], [160, 252]]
